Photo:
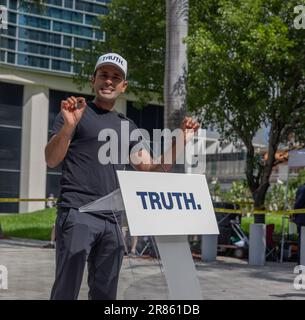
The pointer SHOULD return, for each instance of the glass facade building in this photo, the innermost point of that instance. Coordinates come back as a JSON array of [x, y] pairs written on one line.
[[41, 38], [10, 143], [38, 41]]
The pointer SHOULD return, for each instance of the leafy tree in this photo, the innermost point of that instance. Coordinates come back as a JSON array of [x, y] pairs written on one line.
[[239, 192], [246, 70]]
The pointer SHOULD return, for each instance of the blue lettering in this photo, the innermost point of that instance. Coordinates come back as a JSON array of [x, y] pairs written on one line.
[[177, 195], [164, 200], [189, 200], [170, 200], [142, 195], [154, 199]]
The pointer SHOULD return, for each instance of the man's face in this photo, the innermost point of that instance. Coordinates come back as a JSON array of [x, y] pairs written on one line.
[[108, 83]]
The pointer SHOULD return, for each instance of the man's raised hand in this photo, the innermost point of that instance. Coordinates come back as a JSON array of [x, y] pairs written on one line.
[[189, 127], [72, 110]]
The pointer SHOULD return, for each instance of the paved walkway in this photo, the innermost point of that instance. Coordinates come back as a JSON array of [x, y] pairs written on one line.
[[31, 271]]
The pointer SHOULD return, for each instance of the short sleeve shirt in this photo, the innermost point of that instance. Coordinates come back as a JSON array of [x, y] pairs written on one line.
[[84, 177]]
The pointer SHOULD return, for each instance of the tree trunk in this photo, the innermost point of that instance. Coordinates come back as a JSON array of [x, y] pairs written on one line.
[[259, 184], [175, 66]]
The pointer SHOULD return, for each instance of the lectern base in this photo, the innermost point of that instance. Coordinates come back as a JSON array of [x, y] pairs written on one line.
[[179, 268]]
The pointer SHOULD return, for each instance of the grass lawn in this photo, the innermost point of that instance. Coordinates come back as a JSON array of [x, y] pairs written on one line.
[[36, 225]]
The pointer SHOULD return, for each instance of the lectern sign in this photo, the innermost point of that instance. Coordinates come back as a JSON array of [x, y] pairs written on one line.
[[167, 203]]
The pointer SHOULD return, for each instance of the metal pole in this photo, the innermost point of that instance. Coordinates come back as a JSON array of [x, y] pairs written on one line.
[[283, 238]]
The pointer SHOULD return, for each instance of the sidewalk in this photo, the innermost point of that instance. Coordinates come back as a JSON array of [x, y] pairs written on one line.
[[31, 272]]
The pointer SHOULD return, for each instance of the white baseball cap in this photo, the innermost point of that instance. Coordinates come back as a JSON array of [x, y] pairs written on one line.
[[113, 59]]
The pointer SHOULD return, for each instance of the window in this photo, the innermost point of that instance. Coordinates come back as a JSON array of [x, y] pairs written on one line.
[[7, 43], [91, 7], [10, 143], [32, 61], [10, 115], [12, 17], [10, 146], [61, 65], [77, 68], [67, 41], [61, 53], [11, 31], [44, 49], [9, 188], [13, 5], [54, 2], [39, 36], [99, 35], [68, 3], [11, 57], [2, 55], [34, 22], [72, 29], [66, 15], [81, 43], [92, 20], [11, 104], [13, 96]]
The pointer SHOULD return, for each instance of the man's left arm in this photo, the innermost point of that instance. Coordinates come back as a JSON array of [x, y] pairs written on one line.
[[142, 161]]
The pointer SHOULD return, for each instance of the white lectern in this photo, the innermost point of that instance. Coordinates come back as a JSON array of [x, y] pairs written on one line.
[[168, 206]]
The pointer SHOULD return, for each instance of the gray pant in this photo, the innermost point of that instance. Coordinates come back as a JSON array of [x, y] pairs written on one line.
[[82, 237]]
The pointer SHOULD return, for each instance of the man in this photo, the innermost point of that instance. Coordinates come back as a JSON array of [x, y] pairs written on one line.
[[299, 219], [94, 237]]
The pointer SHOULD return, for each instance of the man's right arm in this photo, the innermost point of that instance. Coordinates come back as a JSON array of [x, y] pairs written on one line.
[[72, 110], [57, 147]]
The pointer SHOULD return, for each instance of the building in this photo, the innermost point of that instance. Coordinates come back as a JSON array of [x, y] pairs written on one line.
[[35, 75]]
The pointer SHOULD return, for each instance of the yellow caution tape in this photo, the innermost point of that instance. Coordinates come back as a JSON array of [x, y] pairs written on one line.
[[24, 199], [272, 212]]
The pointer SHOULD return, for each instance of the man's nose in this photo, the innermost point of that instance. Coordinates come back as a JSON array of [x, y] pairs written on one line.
[[108, 81]]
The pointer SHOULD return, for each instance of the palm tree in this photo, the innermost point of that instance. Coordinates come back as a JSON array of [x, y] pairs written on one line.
[[175, 65]]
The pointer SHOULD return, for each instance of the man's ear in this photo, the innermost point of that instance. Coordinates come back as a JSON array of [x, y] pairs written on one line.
[[91, 82], [92, 79], [125, 86]]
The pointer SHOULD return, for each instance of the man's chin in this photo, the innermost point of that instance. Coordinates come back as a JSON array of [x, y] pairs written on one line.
[[106, 96]]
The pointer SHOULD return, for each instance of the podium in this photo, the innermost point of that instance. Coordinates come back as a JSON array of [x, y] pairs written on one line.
[[168, 206]]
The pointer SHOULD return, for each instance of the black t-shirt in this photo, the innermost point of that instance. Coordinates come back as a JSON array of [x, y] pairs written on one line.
[[84, 178]]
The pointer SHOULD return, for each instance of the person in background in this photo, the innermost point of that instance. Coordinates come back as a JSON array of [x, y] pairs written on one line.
[[299, 219]]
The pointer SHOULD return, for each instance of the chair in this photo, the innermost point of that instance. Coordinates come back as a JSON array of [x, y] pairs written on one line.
[[271, 246]]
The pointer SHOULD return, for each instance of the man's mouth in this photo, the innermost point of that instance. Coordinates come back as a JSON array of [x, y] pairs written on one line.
[[106, 90]]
